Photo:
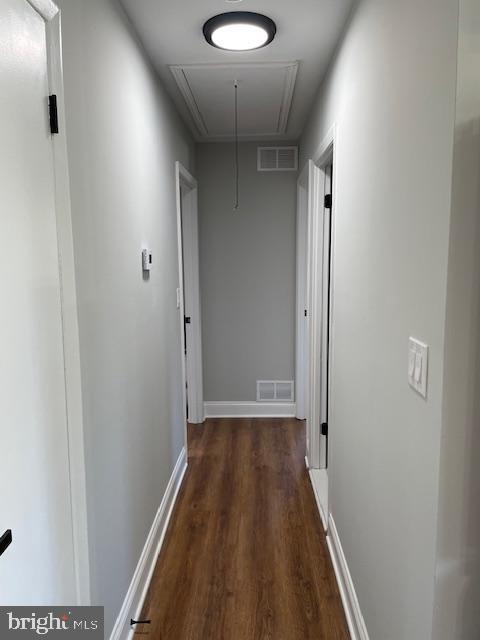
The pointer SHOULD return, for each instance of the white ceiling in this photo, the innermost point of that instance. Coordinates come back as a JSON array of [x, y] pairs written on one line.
[[274, 99]]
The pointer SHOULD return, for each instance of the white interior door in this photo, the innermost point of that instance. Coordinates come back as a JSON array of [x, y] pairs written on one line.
[[301, 340], [38, 567], [189, 267], [314, 250], [325, 301], [319, 250]]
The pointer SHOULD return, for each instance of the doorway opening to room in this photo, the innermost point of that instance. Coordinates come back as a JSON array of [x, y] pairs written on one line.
[[188, 296], [314, 337]]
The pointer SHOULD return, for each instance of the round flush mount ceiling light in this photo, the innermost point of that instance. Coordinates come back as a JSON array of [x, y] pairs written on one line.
[[239, 31]]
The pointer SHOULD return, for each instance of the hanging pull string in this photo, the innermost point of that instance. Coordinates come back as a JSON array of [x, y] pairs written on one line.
[[237, 169]]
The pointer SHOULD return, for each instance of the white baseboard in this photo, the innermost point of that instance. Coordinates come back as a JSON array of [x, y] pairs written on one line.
[[250, 409], [356, 623], [319, 480], [137, 591]]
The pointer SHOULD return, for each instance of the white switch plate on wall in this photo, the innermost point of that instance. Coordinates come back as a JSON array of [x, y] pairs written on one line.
[[418, 366], [146, 260]]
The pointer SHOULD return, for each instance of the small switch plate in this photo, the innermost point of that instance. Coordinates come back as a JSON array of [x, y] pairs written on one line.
[[146, 260], [418, 366]]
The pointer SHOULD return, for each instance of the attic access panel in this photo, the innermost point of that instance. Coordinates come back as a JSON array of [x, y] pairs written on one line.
[[265, 97]]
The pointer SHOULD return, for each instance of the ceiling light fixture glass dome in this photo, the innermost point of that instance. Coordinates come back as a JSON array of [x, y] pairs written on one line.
[[239, 31]]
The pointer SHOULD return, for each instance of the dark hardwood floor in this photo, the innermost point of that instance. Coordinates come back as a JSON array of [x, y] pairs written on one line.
[[245, 556]]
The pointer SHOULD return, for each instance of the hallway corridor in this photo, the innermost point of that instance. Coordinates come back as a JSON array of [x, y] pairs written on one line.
[[245, 557], [240, 335]]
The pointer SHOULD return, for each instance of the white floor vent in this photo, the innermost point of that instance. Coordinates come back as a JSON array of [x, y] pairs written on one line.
[[277, 159], [275, 391]]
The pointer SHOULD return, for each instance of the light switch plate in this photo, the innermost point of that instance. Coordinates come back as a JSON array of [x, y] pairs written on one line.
[[418, 366], [146, 260]]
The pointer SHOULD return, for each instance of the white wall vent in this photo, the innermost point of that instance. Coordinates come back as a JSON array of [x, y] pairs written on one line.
[[275, 391], [277, 159]]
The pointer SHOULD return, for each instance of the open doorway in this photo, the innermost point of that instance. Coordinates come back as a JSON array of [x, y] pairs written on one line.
[[315, 254], [188, 300]]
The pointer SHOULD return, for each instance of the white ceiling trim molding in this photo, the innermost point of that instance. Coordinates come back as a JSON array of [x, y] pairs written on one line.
[[268, 136], [178, 72], [46, 8], [285, 107], [202, 132]]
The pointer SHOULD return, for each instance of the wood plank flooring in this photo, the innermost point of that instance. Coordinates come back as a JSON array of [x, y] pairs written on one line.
[[245, 556]]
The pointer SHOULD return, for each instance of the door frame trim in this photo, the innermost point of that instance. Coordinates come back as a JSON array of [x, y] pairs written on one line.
[[69, 309], [46, 8], [327, 154], [312, 176], [189, 285], [314, 341]]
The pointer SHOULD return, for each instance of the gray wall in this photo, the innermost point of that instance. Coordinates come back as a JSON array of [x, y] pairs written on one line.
[[247, 273], [124, 138], [391, 93], [457, 610]]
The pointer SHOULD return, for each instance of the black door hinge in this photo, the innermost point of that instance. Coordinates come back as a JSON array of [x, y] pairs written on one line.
[[306, 313], [53, 110], [324, 429], [328, 201], [188, 320], [5, 541]]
